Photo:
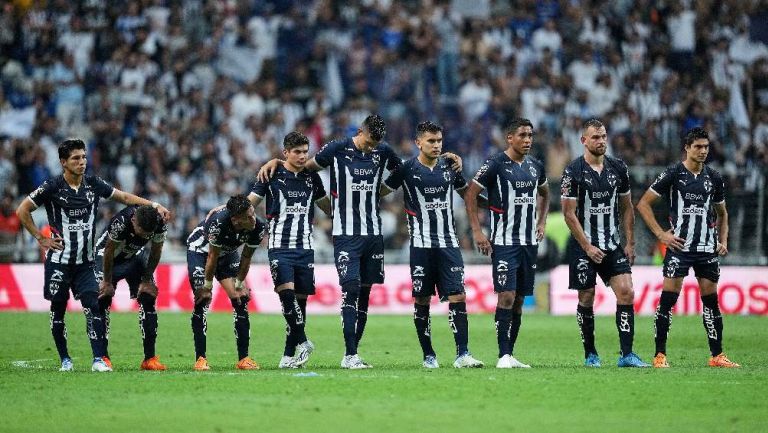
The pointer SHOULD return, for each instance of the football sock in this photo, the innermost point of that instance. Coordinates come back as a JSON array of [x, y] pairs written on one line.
[[625, 323], [292, 314], [585, 316], [663, 320], [105, 305], [713, 323], [59, 328], [457, 318], [503, 323], [423, 328], [199, 328], [94, 324], [290, 341], [148, 324], [242, 326], [362, 312], [349, 294], [514, 329]]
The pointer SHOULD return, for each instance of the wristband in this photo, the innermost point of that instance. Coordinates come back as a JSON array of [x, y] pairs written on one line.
[[155, 204], [208, 284]]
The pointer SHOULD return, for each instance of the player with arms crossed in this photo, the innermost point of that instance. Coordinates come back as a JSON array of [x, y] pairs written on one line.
[[596, 197], [290, 195], [212, 251], [697, 238], [436, 262], [518, 196], [71, 203], [121, 253]]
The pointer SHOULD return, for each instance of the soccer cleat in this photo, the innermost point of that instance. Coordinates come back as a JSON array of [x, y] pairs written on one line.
[[593, 361], [353, 362], [153, 363], [466, 360], [430, 361], [722, 361], [66, 365], [631, 360], [100, 366], [660, 361], [286, 362], [107, 361], [303, 351], [201, 364], [247, 364], [509, 361]]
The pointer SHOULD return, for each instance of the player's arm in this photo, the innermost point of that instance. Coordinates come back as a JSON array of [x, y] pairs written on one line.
[[722, 228], [245, 266], [577, 231], [482, 201], [324, 204], [204, 294], [131, 199], [542, 209], [24, 212], [470, 201], [628, 222], [268, 169], [455, 160], [106, 288], [147, 284], [645, 209], [254, 198]]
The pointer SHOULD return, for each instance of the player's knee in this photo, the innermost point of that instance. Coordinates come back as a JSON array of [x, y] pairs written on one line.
[[587, 298], [422, 300], [90, 300], [352, 288], [517, 306], [459, 297], [240, 302], [625, 295], [59, 307], [505, 300]]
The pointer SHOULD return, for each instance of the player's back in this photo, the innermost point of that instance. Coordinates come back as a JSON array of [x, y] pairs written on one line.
[[121, 231]]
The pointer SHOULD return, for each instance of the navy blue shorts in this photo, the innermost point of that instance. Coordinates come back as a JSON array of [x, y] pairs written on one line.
[[131, 270], [582, 271], [705, 265], [359, 258], [227, 267], [437, 268], [514, 268], [295, 266], [61, 278]]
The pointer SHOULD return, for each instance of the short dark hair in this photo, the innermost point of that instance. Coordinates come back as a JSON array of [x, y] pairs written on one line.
[[67, 146], [428, 127], [515, 123], [148, 218], [295, 139], [591, 123], [238, 205], [375, 126], [695, 134]]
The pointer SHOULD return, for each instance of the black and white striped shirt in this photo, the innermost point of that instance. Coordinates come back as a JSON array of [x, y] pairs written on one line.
[[598, 198], [690, 204], [72, 215]]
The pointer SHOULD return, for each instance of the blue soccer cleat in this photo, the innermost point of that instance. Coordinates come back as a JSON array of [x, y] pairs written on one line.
[[66, 365], [631, 360], [592, 361]]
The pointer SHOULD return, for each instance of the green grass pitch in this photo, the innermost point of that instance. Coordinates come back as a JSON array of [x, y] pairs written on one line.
[[557, 394]]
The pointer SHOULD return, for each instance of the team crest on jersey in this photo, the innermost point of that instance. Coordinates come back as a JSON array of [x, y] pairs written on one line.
[[533, 171], [612, 180], [447, 176], [90, 196], [376, 158], [308, 180], [707, 185]]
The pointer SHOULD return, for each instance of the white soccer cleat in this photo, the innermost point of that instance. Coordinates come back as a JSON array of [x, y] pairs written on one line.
[[430, 362], [66, 365], [509, 361], [286, 362], [353, 362], [100, 366], [303, 351], [467, 361]]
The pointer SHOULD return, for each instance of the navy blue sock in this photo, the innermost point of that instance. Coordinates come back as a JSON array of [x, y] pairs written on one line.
[[199, 329], [148, 324], [503, 323], [59, 328], [457, 319], [514, 330], [242, 326], [293, 316], [362, 312], [349, 295], [585, 316], [625, 323], [663, 320], [94, 324], [423, 328], [105, 305], [713, 323]]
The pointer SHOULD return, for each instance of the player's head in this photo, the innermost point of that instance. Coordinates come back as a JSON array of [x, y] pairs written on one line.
[[146, 220], [519, 135], [429, 139], [372, 131], [295, 149], [696, 145], [594, 137], [241, 212], [72, 156]]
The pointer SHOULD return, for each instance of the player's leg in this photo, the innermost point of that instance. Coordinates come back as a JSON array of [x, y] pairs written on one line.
[[56, 290], [346, 251], [199, 319], [707, 271], [505, 262], [422, 289], [147, 301], [294, 318], [105, 303], [662, 321], [86, 289], [371, 272], [582, 277], [526, 278], [282, 278], [615, 270], [226, 271], [448, 266]]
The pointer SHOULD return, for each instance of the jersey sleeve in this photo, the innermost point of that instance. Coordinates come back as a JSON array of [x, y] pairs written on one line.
[[324, 157], [542, 180], [259, 188], [663, 182], [459, 182], [569, 187], [486, 174], [257, 234], [102, 188], [393, 161], [718, 188], [161, 234], [395, 179], [624, 187], [318, 190], [212, 230], [42, 194], [118, 229]]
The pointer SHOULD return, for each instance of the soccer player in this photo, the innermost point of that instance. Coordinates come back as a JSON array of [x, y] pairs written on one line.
[[357, 167], [518, 196], [121, 253], [594, 187], [290, 198], [436, 260], [699, 235], [71, 203], [212, 251]]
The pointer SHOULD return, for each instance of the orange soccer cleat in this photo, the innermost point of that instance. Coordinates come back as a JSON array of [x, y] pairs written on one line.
[[153, 363], [722, 361], [201, 364], [107, 361], [247, 364], [660, 361]]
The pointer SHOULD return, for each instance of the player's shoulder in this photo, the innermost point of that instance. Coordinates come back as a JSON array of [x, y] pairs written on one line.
[[126, 212], [336, 145], [575, 166], [411, 164], [712, 172], [618, 163], [534, 161]]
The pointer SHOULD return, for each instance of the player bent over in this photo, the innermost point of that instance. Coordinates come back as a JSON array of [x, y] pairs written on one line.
[[121, 253], [212, 251]]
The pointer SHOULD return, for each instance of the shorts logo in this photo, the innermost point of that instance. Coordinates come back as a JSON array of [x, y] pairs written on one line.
[[582, 265], [235, 265], [502, 279], [199, 272], [53, 288], [378, 257], [341, 263], [417, 285], [418, 271], [671, 267], [502, 266], [57, 276], [622, 260], [273, 269]]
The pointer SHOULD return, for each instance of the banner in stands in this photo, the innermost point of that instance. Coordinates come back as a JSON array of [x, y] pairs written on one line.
[[742, 290], [21, 289]]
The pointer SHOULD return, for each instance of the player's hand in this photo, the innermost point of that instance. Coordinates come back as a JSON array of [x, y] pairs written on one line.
[[629, 250], [457, 164], [56, 242], [722, 249], [148, 287], [106, 289], [669, 239], [482, 242], [216, 209], [244, 294], [165, 213], [203, 296], [267, 170], [540, 228], [595, 254]]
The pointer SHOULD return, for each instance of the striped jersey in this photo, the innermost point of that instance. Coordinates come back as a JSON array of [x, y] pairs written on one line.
[[355, 181], [598, 198], [127, 242], [290, 205], [690, 204], [218, 231], [512, 192], [72, 215], [428, 201]]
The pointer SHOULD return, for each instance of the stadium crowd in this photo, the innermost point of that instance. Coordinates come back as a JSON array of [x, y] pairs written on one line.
[[182, 101]]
